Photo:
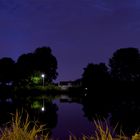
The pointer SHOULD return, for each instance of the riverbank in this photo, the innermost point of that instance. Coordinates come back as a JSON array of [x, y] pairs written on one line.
[[21, 128]]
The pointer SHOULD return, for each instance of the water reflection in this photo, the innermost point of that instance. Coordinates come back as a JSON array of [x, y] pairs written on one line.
[[126, 113], [33, 107], [71, 120], [64, 115]]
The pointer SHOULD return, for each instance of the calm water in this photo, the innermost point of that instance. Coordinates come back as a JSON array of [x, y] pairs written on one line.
[[71, 120], [65, 116]]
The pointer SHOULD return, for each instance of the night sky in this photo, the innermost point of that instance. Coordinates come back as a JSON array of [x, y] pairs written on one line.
[[78, 31]]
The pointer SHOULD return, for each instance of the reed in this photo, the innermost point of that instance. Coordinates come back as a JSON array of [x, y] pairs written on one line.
[[102, 132], [22, 129]]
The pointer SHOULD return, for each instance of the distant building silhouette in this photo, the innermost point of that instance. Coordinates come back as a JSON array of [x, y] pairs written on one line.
[[64, 85]]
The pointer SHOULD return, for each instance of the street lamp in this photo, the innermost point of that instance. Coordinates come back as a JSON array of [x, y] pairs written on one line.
[[43, 76]]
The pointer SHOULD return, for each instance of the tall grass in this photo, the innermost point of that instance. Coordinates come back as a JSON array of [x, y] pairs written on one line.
[[21, 128], [102, 132]]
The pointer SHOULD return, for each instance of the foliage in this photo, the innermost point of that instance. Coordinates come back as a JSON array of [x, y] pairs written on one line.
[[49, 87], [46, 63], [36, 105], [102, 132], [30, 66], [22, 130], [24, 68], [95, 74], [6, 70], [136, 136], [125, 64]]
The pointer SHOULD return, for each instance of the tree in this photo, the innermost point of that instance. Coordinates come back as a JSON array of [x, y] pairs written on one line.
[[46, 63], [25, 67], [125, 64], [95, 74], [32, 65], [7, 66]]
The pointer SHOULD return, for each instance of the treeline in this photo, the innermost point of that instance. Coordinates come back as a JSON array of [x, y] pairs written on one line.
[[115, 88], [28, 68], [123, 67], [115, 84]]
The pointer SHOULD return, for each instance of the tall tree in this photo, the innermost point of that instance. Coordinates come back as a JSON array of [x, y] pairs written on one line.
[[125, 64], [25, 67], [95, 74], [46, 63], [41, 61], [7, 67]]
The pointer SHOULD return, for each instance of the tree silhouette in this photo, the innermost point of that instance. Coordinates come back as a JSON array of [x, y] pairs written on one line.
[[95, 74], [25, 67], [46, 63], [34, 64], [6, 70], [125, 64]]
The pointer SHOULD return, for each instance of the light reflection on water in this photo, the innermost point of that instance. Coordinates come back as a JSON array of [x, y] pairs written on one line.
[[71, 120], [70, 115]]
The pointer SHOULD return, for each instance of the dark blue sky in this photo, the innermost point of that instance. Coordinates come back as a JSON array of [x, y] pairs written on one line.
[[78, 31]]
